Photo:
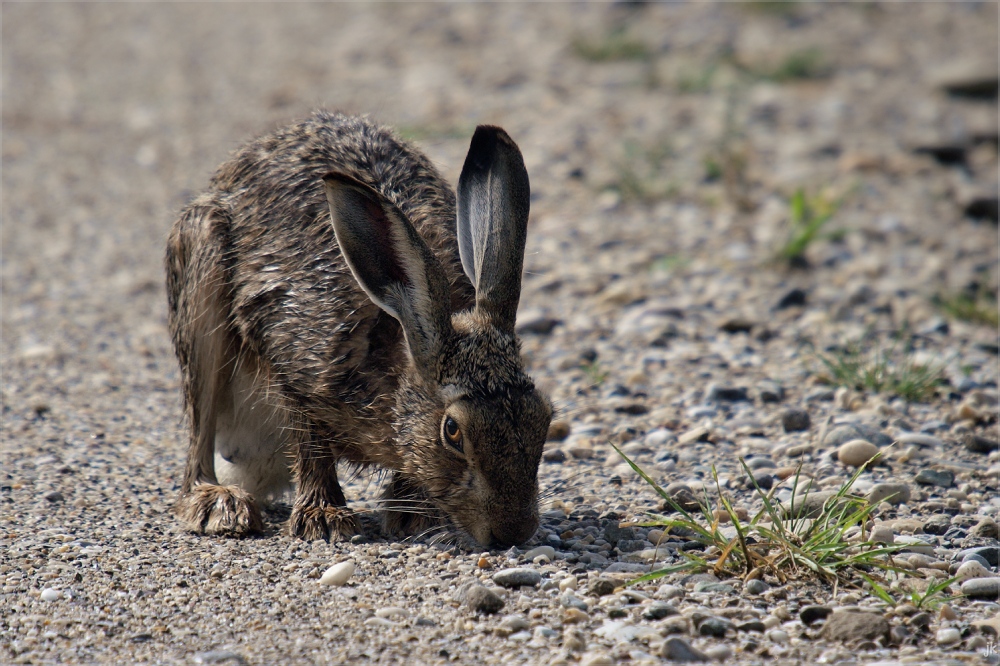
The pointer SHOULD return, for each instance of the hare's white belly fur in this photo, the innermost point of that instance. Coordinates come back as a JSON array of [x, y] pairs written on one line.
[[251, 438]]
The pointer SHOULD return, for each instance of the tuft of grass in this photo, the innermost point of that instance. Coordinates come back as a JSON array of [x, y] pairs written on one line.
[[931, 598], [642, 175], [776, 7], [595, 374], [808, 214], [881, 371], [799, 65], [774, 542], [976, 305], [613, 46]]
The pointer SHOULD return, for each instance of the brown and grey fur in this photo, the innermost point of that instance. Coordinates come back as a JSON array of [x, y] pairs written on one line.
[[294, 356]]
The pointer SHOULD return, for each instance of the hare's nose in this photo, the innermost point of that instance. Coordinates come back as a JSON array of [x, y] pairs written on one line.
[[514, 533]]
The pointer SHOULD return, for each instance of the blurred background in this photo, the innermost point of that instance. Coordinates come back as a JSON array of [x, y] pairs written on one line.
[[711, 158]]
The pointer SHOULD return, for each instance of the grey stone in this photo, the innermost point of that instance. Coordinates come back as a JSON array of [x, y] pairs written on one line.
[[714, 626], [770, 391], [517, 577], [755, 586], [851, 627], [678, 649], [708, 586], [991, 554], [569, 600], [752, 625], [986, 528], [600, 587], [978, 444], [726, 394], [845, 433], [982, 588], [892, 493], [795, 419], [658, 610], [935, 477], [483, 600], [219, 657]]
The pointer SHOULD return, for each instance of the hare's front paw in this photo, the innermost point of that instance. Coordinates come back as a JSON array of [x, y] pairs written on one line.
[[312, 522], [212, 509]]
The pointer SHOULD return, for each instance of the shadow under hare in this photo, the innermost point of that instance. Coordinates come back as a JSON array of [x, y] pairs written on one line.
[[330, 299]]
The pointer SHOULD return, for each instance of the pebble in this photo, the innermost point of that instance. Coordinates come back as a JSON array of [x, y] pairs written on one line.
[[795, 420], [845, 433], [882, 534], [989, 553], [890, 493], [850, 627], [218, 657], [575, 615], [568, 583], [714, 626], [483, 600], [972, 569], [777, 636], [511, 625], [600, 587], [338, 574], [948, 636], [986, 528], [596, 659], [977, 444], [49, 594], [547, 551], [658, 610], [755, 586], [856, 452], [982, 588], [517, 577], [667, 592], [678, 649], [947, 614], [935, 477], [569, 600], [558, 431]]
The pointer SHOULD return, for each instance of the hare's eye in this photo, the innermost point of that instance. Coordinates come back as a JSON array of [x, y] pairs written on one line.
[[452, 433]]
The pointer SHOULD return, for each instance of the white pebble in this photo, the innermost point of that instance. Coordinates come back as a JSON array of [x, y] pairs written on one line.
[[568, 583], [770, 622], [391, 611], [547, 551], [856, 452], [882, 534], [338, 574], [777, 636], [48, 594], [948, 636], [972, 569]]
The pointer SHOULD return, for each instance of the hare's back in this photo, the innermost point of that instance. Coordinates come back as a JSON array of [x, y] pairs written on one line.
[[294, 300]]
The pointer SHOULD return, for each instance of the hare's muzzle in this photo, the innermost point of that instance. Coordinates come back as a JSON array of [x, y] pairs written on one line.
[[514, 530]]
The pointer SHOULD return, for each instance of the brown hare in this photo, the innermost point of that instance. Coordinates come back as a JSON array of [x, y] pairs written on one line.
[[329, 301]]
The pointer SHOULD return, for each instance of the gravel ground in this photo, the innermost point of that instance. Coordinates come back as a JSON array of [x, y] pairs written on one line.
[[663, 143]]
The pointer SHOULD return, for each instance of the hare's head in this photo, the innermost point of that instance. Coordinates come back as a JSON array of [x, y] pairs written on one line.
[[470, 424]]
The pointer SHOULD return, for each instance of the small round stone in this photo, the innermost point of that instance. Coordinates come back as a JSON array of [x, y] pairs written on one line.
[[972, 569], [777, 636], [856, 452], [547, 551], [755, 586], [658, 610], [882, 534], [49, 594], [517, 577], [795, 420], [814, 613], [948, 636], [986, 528], [338, 574], [482, 600], [890, 493], [678, 649], [568, 583], [575, 615], [596, 659], [982, 588]]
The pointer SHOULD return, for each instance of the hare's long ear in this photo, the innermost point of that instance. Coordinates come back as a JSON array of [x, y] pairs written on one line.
[[392, 264], [493, 199]]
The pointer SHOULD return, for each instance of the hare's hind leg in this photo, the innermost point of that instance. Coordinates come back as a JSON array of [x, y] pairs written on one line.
[[205, 349]]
